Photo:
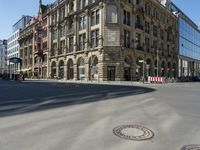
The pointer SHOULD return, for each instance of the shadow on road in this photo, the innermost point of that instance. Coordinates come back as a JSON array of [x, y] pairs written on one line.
[[24, 97]]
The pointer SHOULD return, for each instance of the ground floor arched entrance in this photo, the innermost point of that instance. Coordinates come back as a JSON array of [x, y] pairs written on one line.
[[53, 70], [61, 69], [70, 70]]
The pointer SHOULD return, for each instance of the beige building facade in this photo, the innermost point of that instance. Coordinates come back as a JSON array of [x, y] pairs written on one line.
[[112, 40], [102, 40], [33, 42]]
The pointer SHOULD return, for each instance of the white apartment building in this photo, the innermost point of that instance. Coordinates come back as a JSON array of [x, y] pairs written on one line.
[[13, 51], [3, 58], [13, 44]]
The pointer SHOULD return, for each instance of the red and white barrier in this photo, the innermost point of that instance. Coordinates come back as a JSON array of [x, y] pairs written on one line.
[[156, 79]]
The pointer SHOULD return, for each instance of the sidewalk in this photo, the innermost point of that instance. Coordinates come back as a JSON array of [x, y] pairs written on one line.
[[124, 83]]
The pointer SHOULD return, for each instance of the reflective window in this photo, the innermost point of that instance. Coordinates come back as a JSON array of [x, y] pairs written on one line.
[[189, 40]]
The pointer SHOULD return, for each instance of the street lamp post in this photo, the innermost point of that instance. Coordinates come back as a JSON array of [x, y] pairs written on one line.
[[157, 62], [9, 67], [142, 61], [38, 67]]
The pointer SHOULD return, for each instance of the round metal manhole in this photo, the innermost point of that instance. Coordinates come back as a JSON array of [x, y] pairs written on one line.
[[191, 147], [133, 132]]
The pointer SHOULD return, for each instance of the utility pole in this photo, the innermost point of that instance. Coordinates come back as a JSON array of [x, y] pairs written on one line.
[[142, 61], [157, 62], [38, 67]]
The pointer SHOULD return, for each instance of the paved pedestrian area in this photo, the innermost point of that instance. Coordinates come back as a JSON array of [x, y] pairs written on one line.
[[38, 115]]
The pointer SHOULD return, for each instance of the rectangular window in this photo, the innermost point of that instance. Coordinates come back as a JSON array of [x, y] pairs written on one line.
[[162, 34], [127, 18], [71, 44], [95, 15], [95, 38], [82, 41], [147, 44], [168, 51], [155, 46], [54, 34], [147, 27], [62, 46], [127, 39], [62, 13], [155, 31], [82, 22], [54, 18], [53, 50], [62, 31], [138, 41]]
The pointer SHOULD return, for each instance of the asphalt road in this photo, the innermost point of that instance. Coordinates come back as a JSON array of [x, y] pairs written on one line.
[[67, 116]]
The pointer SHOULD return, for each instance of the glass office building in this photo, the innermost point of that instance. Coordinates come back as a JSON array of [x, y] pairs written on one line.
[[189, 45], [189, 40], [21, 23], [189, 48]]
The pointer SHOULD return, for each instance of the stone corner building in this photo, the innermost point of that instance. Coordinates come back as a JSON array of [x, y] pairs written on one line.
[[105, 39], [33, 42]]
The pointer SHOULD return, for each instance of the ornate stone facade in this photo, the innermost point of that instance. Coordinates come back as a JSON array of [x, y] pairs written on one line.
[[105, 40], [33, 42], [111, 40]]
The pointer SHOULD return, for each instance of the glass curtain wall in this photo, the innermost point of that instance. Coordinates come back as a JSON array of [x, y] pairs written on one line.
[[189, 40]]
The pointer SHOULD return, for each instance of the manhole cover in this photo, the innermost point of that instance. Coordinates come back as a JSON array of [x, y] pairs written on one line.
[[133, 132], [191, 147]]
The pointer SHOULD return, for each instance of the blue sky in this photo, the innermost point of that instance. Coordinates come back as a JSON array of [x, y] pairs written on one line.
[[191, 8], [12, 10]]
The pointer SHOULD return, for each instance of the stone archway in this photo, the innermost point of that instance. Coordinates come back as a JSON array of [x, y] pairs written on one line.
[[61, 69], [93, 68], [80, 69], [70, 70]]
